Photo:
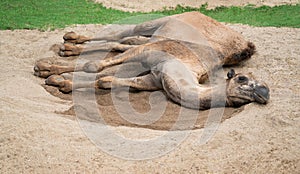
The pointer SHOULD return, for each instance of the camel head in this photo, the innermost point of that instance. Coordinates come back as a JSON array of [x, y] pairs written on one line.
[[244, 88]]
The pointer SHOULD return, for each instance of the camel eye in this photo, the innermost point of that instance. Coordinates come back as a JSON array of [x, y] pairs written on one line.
[[242, 79]]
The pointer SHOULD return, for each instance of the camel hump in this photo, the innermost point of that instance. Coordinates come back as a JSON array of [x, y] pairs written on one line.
[[222, 39]]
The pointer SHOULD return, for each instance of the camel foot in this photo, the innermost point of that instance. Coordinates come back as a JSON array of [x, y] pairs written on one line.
[[92, 67], [43, 69], [105, 82], [68, 49], [72, 37], [59, 81]]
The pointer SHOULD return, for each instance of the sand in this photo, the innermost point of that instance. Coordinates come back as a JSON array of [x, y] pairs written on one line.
[[37, 138]]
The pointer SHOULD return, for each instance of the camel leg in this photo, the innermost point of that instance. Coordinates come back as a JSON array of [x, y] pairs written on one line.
[[153, 60], [131, 55], [72, 37], [150, 27], [63, 84], [147, 82], [44, 69], [68, 49], [118, 32], [75, 50], [66, 82], [135, 40], [107, 33], [139, 54]]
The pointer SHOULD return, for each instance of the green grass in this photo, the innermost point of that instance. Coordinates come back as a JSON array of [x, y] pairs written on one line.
[[278, 16], [51, 14], [43, 14]]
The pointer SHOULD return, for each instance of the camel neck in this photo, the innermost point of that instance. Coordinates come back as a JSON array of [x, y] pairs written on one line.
[[199, 97]]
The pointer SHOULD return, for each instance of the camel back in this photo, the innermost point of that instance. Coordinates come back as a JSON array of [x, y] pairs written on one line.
[[227, 42]]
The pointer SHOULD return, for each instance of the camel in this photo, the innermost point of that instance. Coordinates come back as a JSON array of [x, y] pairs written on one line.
[[176, 54]]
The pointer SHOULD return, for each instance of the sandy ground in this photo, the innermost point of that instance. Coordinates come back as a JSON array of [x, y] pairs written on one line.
[[149, 5], [35, 138]]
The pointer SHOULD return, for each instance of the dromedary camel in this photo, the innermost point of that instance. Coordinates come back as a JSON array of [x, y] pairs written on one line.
[[178, 54]]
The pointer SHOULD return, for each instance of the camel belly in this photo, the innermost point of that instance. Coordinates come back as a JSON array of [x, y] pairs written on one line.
[[199, 59]]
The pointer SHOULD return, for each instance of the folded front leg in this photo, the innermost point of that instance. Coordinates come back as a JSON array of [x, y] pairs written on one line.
[[131, 55]]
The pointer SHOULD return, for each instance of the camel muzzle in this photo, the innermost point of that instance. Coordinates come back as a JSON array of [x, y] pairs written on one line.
[[261, 94]]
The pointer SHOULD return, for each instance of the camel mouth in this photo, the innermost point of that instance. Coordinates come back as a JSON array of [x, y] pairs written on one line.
[[261, 94]]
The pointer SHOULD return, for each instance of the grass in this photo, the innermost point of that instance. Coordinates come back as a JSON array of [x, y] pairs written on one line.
[[278, 16], [51, 14]]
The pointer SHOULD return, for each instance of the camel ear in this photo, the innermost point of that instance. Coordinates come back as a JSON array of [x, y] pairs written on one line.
[[231, 73]]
